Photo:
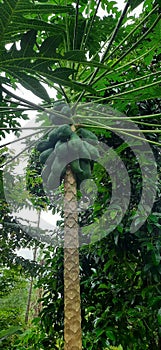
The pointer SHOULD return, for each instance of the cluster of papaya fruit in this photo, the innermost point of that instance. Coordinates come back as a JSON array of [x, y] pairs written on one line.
[[64, 146]]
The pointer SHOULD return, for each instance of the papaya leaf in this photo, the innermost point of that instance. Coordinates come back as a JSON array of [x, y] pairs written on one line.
[[27, 42], [49, 45], [77, 55], [32, 84], [47, 9], [13, 18]]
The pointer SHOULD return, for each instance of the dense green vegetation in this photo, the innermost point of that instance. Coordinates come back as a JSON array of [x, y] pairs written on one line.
[[13, 299], [59, 43]]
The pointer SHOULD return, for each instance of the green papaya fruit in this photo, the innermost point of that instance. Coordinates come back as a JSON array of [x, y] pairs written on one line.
[[58, 105], [57, 145], [74, 144], [52, 184], [44, 155], [53, 136], [94, 153], [61, 151], [66, 111], [65, 132], [58, 167], [58, 119], [45, 174], [77, 147], [75, 166], [87, 134], [83, 151], [86, 167], [63, 114], [56, 174], [51, 158], [43, 145]]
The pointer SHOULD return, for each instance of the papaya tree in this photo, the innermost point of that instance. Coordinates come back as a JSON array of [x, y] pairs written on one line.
[[97, 61]]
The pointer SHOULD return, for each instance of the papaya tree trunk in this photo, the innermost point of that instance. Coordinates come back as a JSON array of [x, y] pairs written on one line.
[[72, 304]]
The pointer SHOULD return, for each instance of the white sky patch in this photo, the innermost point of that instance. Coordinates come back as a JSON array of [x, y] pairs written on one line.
[[26, 253]]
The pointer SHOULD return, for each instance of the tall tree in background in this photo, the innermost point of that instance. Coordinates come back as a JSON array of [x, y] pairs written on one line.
[[84, 58]]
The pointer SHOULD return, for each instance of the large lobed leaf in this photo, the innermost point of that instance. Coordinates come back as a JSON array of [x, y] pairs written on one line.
[[16, 17]]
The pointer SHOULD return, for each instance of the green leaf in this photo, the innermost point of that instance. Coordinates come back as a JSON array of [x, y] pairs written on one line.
[[28, 40], [110, 335], [75, 55], [60, 76], [135, 3], [49, 45], [13, 17], [63, 73], [99, 331], [47, 9], [159, 316], [156, 258], [103, 286], [32, 84], [78, 56], [8, 332]]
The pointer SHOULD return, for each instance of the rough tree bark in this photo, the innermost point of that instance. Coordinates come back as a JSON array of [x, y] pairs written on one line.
[[72, 304]]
